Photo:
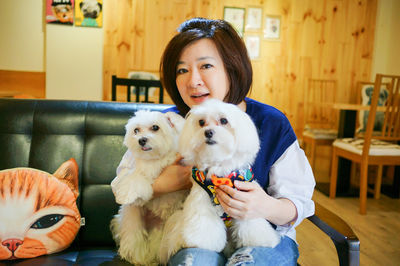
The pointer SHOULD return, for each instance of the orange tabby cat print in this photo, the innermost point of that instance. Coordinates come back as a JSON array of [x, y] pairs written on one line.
[[38, 212]]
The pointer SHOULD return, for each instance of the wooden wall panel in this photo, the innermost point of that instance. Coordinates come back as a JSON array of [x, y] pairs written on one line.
[[23, 84], [322, 39]]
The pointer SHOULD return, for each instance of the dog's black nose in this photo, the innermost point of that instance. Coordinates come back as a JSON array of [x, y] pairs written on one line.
[[209, 133], [142, 141]]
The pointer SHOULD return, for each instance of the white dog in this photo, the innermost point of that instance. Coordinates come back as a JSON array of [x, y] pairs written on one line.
[[152, 141], [221, 141]]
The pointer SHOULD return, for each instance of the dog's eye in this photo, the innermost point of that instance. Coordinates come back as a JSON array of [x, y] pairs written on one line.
[[202, 122], [223, 121], [137, 130], [155, 128]]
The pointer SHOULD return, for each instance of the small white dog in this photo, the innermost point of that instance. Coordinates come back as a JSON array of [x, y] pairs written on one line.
[[152, 141], [221, 141]]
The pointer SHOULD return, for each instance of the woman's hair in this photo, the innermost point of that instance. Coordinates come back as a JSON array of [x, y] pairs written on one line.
[[230, 46]]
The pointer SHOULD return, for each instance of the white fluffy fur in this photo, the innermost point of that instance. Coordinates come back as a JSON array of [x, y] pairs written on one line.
[[139, 242], [236, 146]]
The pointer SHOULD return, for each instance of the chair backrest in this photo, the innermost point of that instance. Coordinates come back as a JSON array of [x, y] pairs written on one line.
[[317, 115], [146, 84], [390, 130], [142, 75]]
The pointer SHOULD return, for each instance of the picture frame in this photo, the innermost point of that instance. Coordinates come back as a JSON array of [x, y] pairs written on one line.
[[253, 45], [60, 12], [235, 16], [254, 18], [272, 28], [89, 17]]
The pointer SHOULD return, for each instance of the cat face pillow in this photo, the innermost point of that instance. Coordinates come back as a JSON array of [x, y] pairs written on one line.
[[38, 212]]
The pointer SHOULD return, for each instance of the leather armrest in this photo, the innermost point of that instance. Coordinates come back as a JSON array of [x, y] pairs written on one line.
[[346, 242]]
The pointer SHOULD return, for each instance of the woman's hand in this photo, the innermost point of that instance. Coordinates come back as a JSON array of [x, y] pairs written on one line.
[[173, 178], [250, 201]]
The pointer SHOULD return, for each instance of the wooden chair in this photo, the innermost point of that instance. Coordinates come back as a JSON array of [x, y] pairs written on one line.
[[320, 121], [365, 89], [372, 149], [138, 84]]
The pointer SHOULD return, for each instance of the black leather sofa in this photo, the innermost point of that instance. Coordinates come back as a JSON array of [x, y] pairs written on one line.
[[44, 133]]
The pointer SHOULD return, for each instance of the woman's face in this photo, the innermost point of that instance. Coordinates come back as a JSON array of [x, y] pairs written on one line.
[[201, 74]]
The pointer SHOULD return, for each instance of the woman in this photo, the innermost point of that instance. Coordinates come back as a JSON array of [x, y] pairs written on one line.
[[208, 59]]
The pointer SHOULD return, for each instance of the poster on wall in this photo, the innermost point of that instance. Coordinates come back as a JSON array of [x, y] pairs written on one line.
[[60, 12], [88, 13]]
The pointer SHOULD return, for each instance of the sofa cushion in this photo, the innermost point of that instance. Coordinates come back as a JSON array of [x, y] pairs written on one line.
[[38, 212]]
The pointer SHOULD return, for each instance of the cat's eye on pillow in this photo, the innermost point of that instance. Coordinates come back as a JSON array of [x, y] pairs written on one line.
[[38, 212]]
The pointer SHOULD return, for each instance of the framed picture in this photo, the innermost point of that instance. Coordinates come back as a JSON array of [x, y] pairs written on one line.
[[60, 12], [253, 46], [272, 29], [89, 13], [235, 16], [254, 18]]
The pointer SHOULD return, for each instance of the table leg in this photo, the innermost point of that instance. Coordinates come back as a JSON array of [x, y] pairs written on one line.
[[393, 190], [346, 129], [347, 123]]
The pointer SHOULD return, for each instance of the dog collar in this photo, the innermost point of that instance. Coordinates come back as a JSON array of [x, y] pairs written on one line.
[[209, 185]]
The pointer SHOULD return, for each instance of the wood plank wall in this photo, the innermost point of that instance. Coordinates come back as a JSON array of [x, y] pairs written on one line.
[[321, 39], [22, 84]]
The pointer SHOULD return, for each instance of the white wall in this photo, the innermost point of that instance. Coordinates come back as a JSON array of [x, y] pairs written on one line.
[[387, 39], [22, 37], [72, 57], [74, 62]]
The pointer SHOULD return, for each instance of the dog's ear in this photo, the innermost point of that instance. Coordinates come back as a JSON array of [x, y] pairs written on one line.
[[247, 134], [80, 5], [186, 140], [100, 5], [128, 131], [187, 115], [175, 120]]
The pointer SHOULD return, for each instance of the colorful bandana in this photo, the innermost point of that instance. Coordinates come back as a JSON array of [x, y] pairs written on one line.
[[209, 185]]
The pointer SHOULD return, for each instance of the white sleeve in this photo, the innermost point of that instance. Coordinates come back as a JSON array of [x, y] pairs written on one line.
[[291, 177]]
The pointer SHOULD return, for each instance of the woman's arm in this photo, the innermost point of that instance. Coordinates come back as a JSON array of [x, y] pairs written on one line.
[[250, 201], [173, 178], [289, 192]]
